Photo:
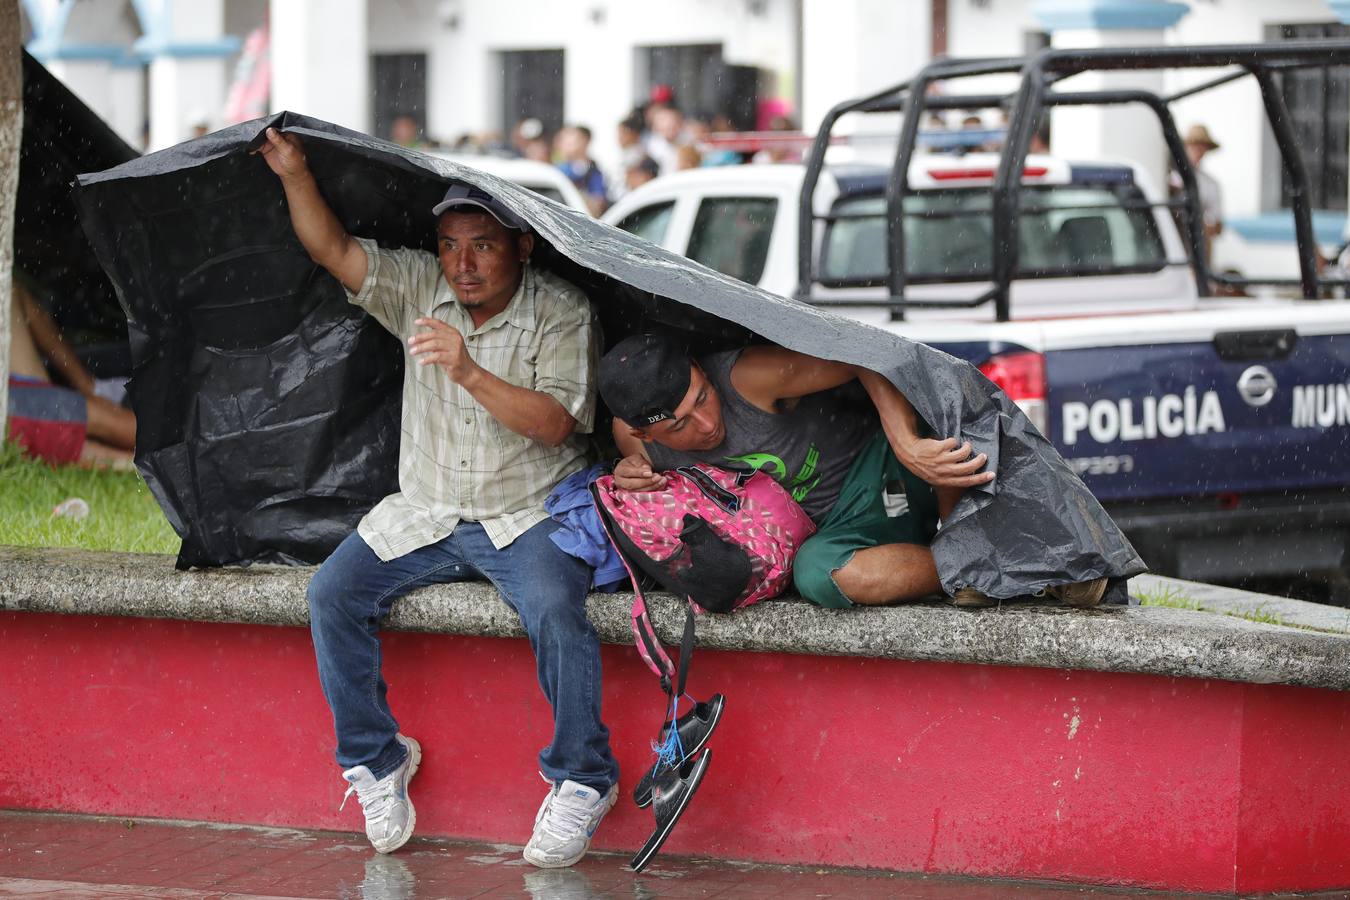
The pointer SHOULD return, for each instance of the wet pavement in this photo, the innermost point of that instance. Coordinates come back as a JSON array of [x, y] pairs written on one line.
[[83, 858]]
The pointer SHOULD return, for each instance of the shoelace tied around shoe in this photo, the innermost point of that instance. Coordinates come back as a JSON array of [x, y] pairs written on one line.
[[564, 817], [376, 799]]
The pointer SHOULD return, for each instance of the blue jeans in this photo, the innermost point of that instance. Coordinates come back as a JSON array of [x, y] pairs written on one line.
[[546, 587]]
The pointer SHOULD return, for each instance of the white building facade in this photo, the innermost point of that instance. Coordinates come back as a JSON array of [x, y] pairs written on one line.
[[156, 68]]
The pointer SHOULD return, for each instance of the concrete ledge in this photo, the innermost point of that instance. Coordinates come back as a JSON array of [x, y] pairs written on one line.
[[1160, 641]]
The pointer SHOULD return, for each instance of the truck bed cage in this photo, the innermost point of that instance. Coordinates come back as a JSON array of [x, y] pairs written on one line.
[[1038, 91]]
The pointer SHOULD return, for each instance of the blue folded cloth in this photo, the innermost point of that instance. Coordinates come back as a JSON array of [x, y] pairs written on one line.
[[582, 535]]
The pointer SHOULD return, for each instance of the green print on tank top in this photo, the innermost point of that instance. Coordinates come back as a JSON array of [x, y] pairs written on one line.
[[801, 484]]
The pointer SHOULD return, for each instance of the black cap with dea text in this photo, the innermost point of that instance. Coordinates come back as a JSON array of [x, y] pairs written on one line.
[[643, 378]]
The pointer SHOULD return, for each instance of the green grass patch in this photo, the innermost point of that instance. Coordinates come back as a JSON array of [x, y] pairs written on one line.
[[1260, 614], [1176, 599], [122, 513], [1167, 596]]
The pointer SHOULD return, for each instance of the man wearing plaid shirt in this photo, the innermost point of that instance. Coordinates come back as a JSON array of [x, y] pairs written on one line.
[[497, 395]]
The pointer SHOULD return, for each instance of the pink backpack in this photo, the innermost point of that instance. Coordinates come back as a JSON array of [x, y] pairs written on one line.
[[720, 539]]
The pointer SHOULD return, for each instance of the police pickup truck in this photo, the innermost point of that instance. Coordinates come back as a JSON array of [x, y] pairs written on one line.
[[1215, 429]]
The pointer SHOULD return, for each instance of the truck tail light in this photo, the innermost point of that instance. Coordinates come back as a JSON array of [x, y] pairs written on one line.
[[1021, 376], [982, 174]]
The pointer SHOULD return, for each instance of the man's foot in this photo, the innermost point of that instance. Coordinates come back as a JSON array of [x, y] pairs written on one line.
[[567, 818], [969, 598], [1083, 594], [390, 816]]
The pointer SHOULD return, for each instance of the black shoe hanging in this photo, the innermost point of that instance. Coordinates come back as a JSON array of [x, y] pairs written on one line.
[[672, 790], [694, 728]]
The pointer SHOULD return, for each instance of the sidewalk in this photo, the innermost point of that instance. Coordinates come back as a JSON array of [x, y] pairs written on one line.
[[83, 858]]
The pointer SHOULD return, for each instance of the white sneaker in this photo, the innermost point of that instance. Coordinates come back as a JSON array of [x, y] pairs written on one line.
[[568, 817], [390, 816]]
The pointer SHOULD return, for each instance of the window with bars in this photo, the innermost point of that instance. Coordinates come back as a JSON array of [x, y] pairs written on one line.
[[532, 87], [1319, 107]]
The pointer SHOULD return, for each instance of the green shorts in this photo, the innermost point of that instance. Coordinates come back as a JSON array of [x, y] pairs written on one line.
[[858, 520]]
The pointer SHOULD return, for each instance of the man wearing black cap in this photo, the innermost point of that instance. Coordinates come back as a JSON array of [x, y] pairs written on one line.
[[494, 413], [807, 423]]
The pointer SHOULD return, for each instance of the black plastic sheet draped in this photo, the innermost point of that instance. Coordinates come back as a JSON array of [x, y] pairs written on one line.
[[269, 407], [62, 138]]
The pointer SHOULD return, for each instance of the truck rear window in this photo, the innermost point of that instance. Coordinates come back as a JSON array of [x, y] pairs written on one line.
[[731, 235], [1062, 230]]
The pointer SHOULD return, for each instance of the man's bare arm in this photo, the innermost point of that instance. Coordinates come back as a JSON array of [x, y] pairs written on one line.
[[323, 237], [765, 375]]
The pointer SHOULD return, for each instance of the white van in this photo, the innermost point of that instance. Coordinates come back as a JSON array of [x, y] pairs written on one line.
[[545, 180]]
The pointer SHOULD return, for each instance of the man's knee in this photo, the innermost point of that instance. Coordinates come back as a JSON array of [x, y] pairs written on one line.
[[322, 592], [332, 584], [813, 575]]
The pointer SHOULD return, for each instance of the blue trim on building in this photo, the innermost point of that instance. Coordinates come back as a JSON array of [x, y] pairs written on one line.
[[1278, 227], [45, 51], [1108, 15], [1342, 10], [150, 48]]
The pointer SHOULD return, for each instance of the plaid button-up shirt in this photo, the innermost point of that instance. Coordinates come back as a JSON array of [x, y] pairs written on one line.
[[455, 461]]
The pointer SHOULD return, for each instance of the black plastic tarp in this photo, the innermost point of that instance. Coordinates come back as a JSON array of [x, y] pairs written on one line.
[[269, 406], [62, 138]]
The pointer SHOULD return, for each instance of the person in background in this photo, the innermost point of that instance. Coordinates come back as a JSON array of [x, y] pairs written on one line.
[[687, 157], [60, 424], [538, 150], [405, 132], [632, 149], [573, 151], [700, 133], [1199, 144], [779, 153], [630, 131], [526, 131], [642, 172], [666, 138]]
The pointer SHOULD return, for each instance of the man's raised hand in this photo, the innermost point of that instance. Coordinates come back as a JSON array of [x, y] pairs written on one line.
[[634, 473], [443, 345], [284, 153]]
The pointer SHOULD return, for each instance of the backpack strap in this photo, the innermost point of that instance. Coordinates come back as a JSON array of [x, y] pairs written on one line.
[[648, 643], [686, 652]]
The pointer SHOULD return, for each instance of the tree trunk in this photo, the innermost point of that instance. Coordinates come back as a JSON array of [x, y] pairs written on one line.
[[11, 131]]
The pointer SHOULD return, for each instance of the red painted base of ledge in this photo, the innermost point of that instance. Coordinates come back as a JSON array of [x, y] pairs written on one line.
[[924, 767]]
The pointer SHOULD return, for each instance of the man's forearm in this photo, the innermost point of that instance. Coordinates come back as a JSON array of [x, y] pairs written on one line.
[[532, 414], [319, 230], [898, 418]]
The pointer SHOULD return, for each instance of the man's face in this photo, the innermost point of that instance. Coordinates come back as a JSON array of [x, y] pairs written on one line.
[[571, 143], [668, 123], [481, 259], [698, 423]]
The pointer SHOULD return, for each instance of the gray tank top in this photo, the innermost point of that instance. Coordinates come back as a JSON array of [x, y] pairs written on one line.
[[807, 449]]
